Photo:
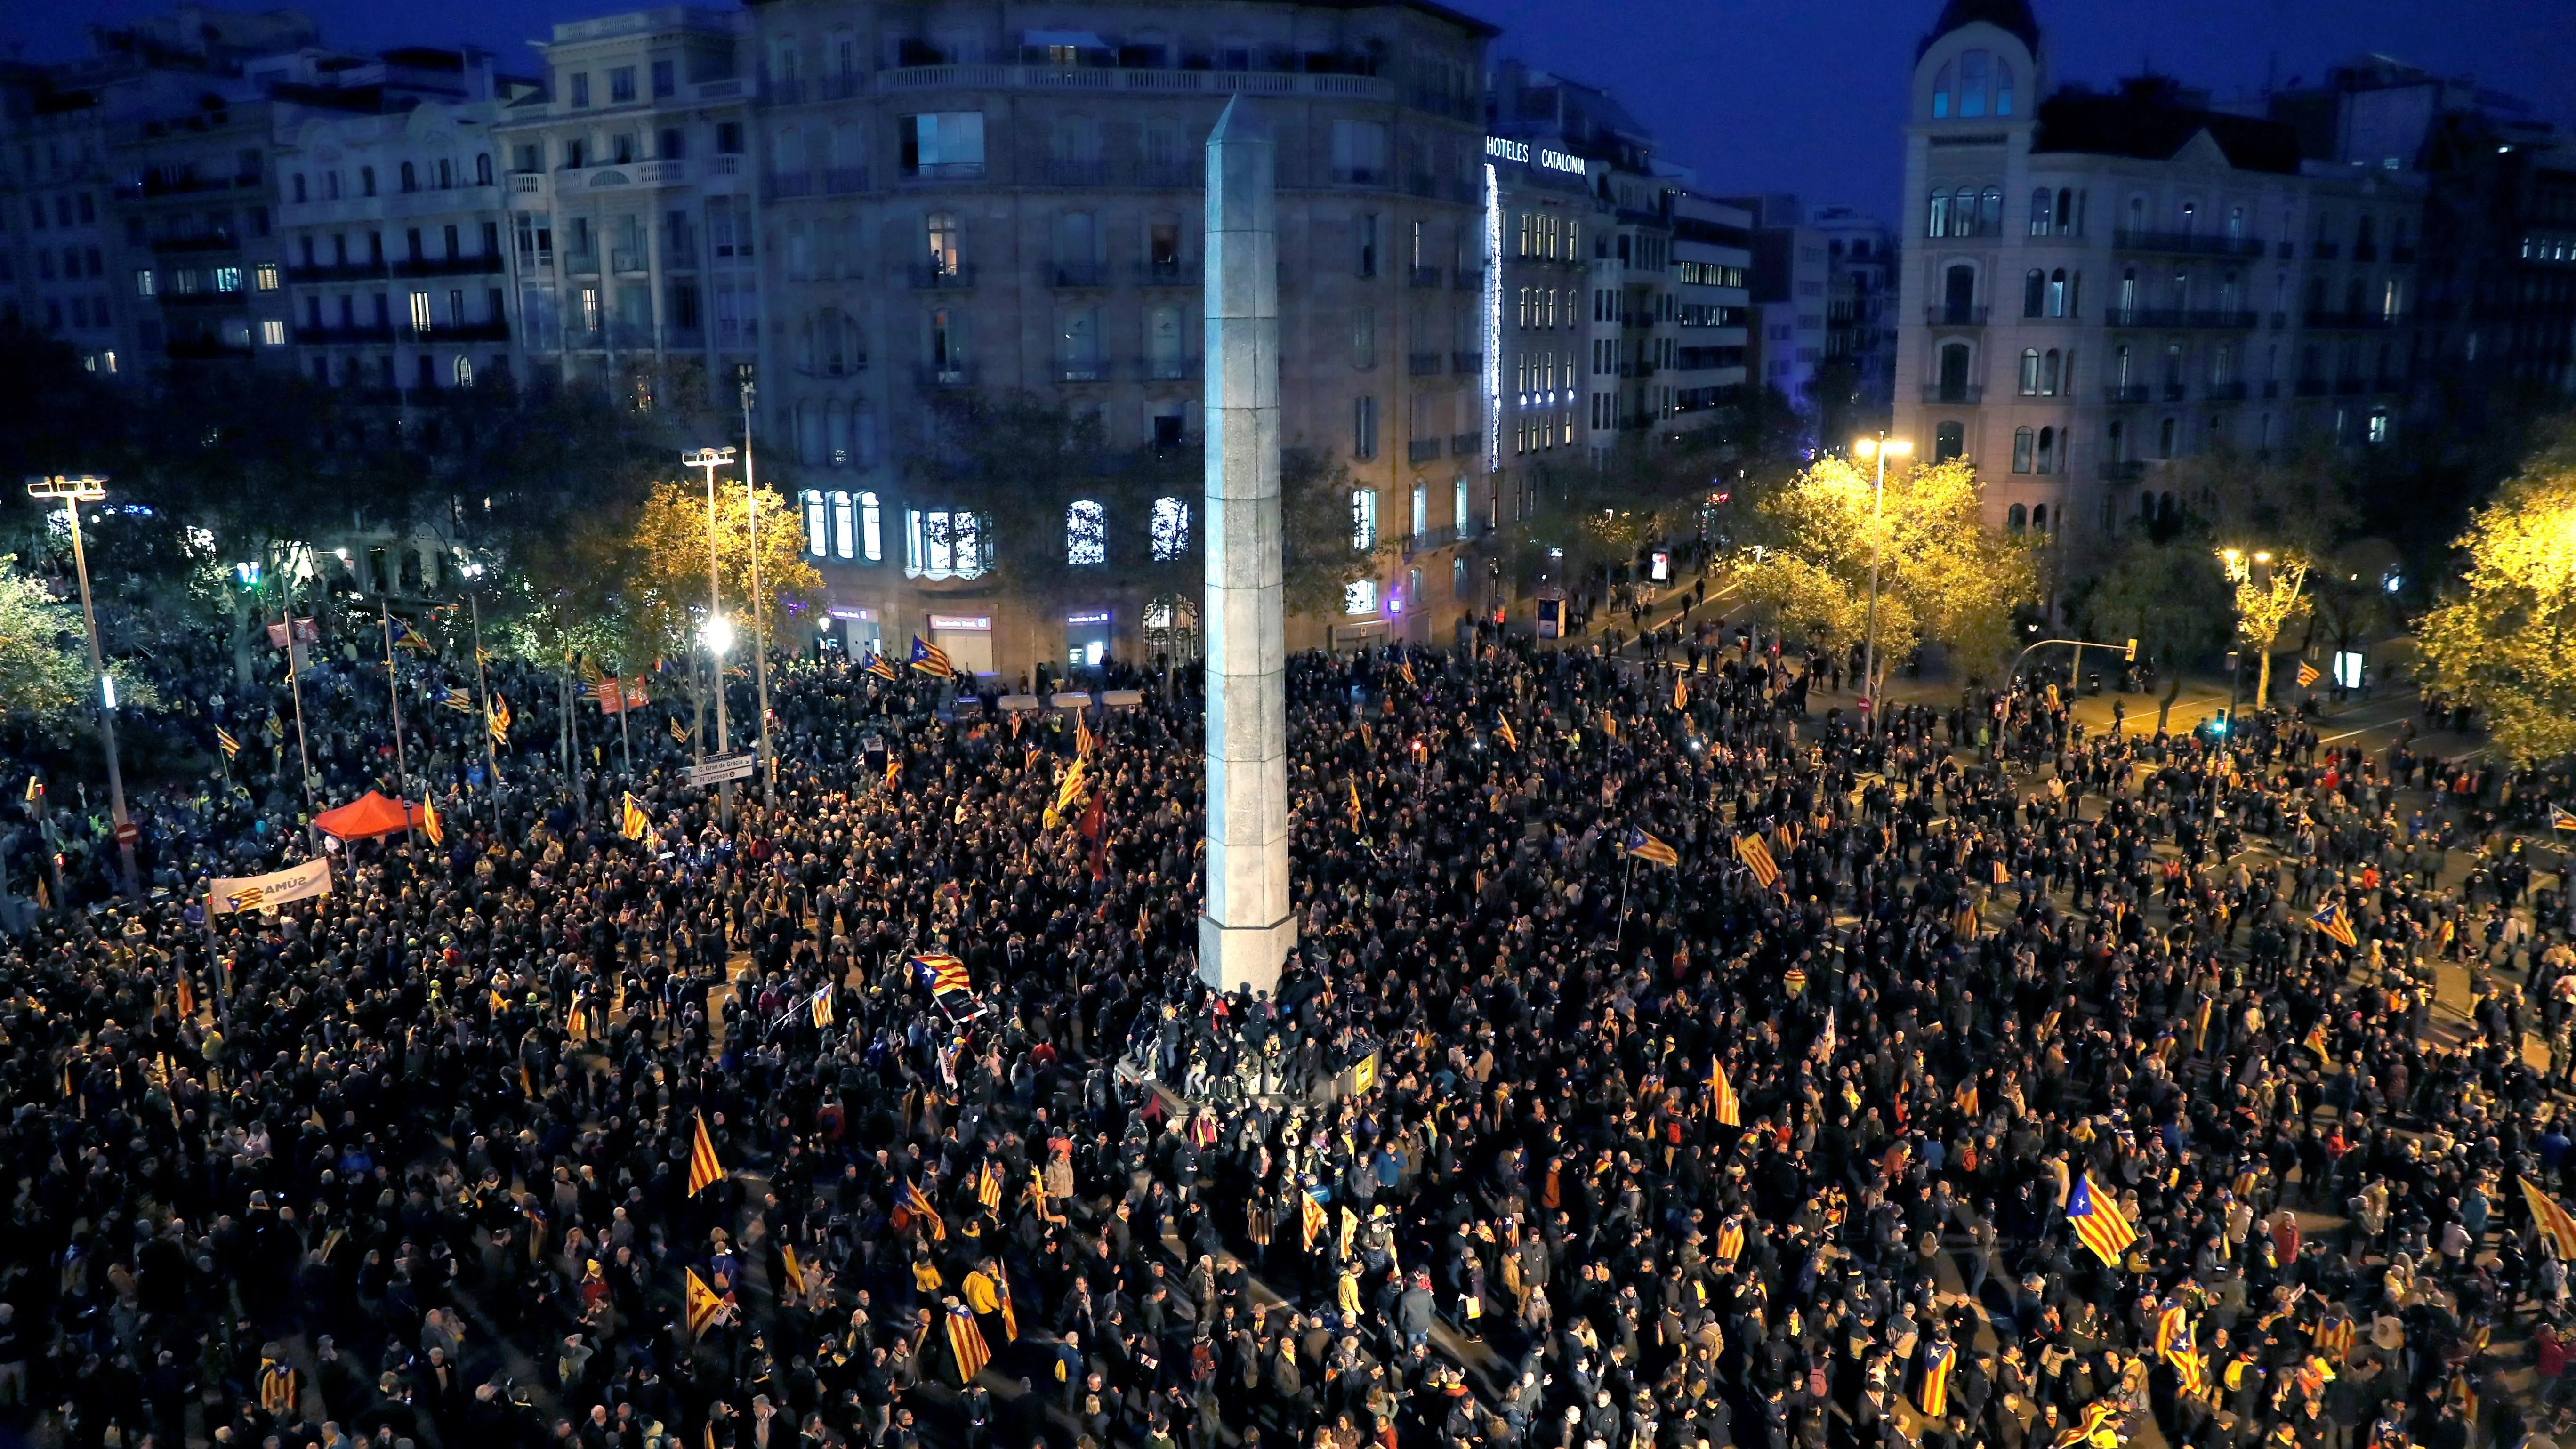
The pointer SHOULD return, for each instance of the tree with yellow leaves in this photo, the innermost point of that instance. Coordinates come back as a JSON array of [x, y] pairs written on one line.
[[666, 603], [2271, 593], [2504, 640], [1944, 577]]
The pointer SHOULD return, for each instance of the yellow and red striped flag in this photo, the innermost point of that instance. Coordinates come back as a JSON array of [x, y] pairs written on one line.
[[704, 1170]]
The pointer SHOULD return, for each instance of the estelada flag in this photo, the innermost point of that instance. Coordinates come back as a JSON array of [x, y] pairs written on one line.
[[883, 668], [500, 719], [704, 1170], [704, 1305], [631, 820], [1681, 693], [430, 823], [914, 1199], [2334, 924], [2553, 1220], [795, 1271], [966, 1342], [1757, 859], [1503, 727], [1647, 848], [225, 742], [2307, 674], [930, 659], [1404, 666], [1082, 740], [1311, 1222], [2098, 1221], [679, 731], [1723, 1102], [823, 1008], [2315, 1041], [1356, 813]]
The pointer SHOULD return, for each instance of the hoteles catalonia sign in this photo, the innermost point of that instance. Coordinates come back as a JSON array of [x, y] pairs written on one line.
[[1543, 158]]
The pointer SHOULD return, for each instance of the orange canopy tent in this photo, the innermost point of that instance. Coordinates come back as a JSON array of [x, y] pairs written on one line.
[[367, 817]]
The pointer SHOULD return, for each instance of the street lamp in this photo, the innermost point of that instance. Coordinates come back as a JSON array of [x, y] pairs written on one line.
[[759, 605], [73, 492], [711, 459], [1880, 448]]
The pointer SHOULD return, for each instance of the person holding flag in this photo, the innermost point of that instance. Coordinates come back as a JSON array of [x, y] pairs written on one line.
[[1757, 859], [2098, 1222], [1652, 851], [2331, 922]]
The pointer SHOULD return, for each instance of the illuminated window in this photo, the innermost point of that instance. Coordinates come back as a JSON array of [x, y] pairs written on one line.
[[265, 277], [871, 528], [1086, 534], [1171, 529], [1359, 596], [1363, 519], [1941, 96], [272, 333], [943, 545], [813, 502], [2022, 439], [843, 545]]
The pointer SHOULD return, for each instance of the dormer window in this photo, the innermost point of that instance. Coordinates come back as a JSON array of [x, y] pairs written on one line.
[[1941, 92]]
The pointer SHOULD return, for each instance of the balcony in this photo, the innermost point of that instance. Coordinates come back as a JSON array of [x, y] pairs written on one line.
[[944, 374], [2348, 321], [1467, 364], [946, 171], [929, 277], [202, 299], [494, 331], [1164, 175], [1954, 392], [627, 261], [2128, 471], [1465, 445], [1954, 315], [1171, 273], [342, 336], [2125, 393], [212, 241], [2179, 317], [204, 349], [1422, 364], [1139, 80], [1422, 450], [2175, 391], [1424, 277], [1430, 538], [346, 272], [831, 367], [528, 183], [2189, 243], [449, 266], [2313, 387], [1359, 176], [1169, 369], [580, 263], [1064, 171], [1080, 274], [2226, 392], [817, 181], [1081, 369], [2325, 251], [819, 88]]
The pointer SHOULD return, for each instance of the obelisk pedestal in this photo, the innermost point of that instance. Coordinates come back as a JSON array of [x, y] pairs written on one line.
[[1249, 924]]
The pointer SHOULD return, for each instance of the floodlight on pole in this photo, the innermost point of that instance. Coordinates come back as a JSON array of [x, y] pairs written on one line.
[[71, 492], [1881, 448], [710, 459]]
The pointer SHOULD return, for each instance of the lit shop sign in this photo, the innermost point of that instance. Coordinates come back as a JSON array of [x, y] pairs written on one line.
[[1500, 149], [844, 611], [1559, 161], [1099, 618], [971, 623]]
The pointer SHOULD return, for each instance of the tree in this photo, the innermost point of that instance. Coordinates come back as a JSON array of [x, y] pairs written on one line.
[[1320, 551], [2271, 592], [2503, 640], [663, 600], [2166, 596], [1943, 576], [44, 659]]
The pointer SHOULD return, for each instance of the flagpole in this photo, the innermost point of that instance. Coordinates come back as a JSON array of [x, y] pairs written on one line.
[[491, 760], [1619, 938], [625, 751], [393, 700]]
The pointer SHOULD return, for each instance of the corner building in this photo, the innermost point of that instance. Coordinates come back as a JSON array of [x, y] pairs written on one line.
[[2094, 284]]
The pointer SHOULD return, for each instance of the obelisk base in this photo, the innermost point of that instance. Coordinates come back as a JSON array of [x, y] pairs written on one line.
[[1245, 958]]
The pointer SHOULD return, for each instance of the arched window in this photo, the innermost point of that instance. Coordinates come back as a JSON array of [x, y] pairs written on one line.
[[1086, 534], [1936, 218], [2042, 211], [2236, 221], [1972, 83], [2165, 430], [410, 178], [1171, 529], [2066, 211], [1949, 440], [464, 372], [2047, 451], [1959, 293], [2030, 372], [2039, 517], [814, 524], [1990, 212], [871, 528], [2128, 289], [2048, 374], [1963, 211], [2022, 439], [2034, 285], [2057, 293], [844, 526], [2003, 87], [1941, 95], [2016, 518], [1954, 372]]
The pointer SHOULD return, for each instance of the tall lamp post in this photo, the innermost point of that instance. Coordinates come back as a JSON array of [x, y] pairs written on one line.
[[759, 604], [718, 633], [73, 492], [2240, 568], [1880, 448]]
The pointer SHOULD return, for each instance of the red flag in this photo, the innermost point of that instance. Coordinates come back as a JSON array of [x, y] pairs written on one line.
[[611, 698], [1095, 822], [307, 632], [277, 636]]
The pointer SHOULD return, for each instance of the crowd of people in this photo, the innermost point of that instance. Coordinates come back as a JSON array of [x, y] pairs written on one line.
[[1663, 1063]]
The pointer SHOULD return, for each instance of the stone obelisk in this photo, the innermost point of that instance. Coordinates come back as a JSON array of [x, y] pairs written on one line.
[[1248, 926]]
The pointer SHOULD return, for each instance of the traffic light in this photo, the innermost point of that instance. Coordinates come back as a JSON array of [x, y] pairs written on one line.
[[2132, 655]]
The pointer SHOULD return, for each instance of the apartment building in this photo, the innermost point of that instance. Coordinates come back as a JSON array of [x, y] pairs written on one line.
[[971, 196], [390, 220], [632, 231], [2096, 282], [1860, 319]]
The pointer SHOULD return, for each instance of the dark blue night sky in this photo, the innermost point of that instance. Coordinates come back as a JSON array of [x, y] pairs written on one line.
[[1755, 95]]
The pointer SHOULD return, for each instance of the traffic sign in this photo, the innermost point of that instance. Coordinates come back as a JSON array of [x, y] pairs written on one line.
[[718, 769], [128, 833]]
